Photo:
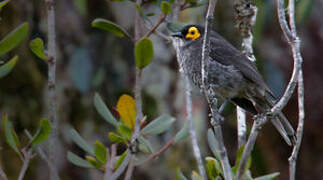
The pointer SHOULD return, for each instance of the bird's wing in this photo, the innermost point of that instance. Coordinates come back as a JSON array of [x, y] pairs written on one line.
[[225, 53]]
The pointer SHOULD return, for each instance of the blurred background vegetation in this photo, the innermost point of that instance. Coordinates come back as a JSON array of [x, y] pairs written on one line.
[[90, 60]]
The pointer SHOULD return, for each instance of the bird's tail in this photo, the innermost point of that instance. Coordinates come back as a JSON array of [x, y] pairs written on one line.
[[285, 129]]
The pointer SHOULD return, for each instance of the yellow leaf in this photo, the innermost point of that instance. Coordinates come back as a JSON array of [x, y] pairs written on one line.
[[127, 109]]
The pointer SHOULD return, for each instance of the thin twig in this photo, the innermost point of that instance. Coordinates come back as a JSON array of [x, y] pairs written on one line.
[[294, 42], [301, 111], [108, 170], [246, 13], [259, 121], [44, 156], [210, 96], [161, 19], [28, 155], [3, 174], [156, 154], [51, 85]]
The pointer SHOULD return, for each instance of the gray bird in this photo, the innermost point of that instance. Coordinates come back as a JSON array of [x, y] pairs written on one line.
[[231, 75]]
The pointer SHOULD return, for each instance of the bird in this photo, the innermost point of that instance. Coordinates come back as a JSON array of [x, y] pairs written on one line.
[[230, 75]]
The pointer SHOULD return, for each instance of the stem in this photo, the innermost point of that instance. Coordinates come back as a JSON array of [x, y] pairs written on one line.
[[28, 155], [301, 111], [256, 127], [51, 85], [210, 96], [242, 126], [123, 166], [161, 19], [131, 167]]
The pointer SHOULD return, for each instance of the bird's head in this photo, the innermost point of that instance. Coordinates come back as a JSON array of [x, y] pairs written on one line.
[[189, 33]]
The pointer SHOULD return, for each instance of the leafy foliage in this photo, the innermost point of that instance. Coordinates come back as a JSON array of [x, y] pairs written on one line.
[[144, 52], [127, 109], [7, 68], [37, 47], [110, 27], [13, 38], [42, 133]]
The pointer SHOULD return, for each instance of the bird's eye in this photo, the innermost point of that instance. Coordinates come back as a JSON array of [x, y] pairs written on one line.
[[192, 32]]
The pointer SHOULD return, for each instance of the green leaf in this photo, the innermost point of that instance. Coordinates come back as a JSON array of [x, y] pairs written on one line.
[[166, 7], [43, 132], [37, 47], [196, 176], [110, 27], [78, 161], [213, 144], [180, 175], [7, 68], [213, 168], [238, 159], [124, 131], [13, 38], [93, 162], [114, 138], [183, 133], [100, 152], [10, 134], [3, 3], [81, 142], [159, 125], [120, 159], [103, 110], [144, 52], [268, 177]]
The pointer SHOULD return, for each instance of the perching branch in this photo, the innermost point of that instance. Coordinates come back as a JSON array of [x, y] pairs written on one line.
[[51, 85], [246, 13], [210, 96], [301, 111]]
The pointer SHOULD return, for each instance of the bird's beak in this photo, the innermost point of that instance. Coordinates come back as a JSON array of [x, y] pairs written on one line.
[[177, 34]]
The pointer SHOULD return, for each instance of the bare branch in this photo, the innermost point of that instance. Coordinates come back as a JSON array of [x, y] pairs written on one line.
[[210, 96], [160, 20], [259, 121], [131, 167], [301, 111], [156, 154], [51, 84], [294, 42]]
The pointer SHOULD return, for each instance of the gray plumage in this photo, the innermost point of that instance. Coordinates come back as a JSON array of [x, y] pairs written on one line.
[[230, 75]]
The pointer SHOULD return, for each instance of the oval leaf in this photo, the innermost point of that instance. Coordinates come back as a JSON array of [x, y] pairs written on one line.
[[13, 38], [183, 133], [100, 152], [78, 161], [10, 135], [37, 47], [43, 133], [124, 131], [166, 7], [81, 142], [103, 110], [159, 125], [114, 138], [110, 27], [93, 162], [7, 68], [120, 159], [127, 109], [144, 52], [213, 168]]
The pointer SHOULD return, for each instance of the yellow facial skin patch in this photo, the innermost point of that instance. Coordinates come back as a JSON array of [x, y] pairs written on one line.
[[193, 33]]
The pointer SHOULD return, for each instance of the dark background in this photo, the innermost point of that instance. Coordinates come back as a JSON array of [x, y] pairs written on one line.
[[90, 60]]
